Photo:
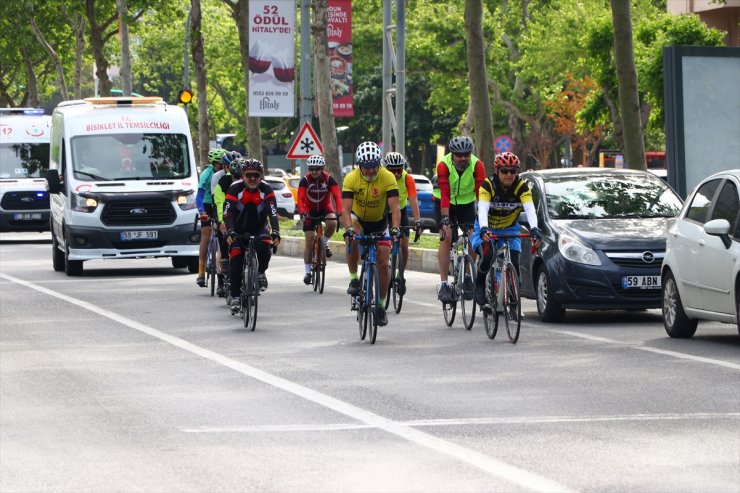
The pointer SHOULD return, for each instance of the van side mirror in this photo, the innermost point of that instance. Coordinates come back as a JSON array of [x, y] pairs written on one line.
[[52, 181]]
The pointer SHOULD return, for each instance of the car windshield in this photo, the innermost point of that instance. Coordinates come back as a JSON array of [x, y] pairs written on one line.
[[276, 184], [609, 196], [131, 156], [24, 160]]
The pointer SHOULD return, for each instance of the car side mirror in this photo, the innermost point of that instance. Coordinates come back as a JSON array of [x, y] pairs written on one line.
[[720, 228], [52, 180]]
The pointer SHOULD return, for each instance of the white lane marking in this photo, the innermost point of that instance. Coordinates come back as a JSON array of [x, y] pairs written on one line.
[[665, 352], [485, 463], [468, 422]]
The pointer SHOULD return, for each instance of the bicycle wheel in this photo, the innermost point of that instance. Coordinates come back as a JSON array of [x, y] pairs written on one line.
[[211, 262], [512, 302], [254, 294], [391, 293], [399, 285], [467, 291], [490, 315], [449, 309], [320, 267], [373, 292], [361, 306], [315, 264]]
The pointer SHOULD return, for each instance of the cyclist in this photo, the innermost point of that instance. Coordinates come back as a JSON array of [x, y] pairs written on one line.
[[459, 175], [366, 191], [501, 199], [396, 164], [250, 208], [315, 193], [231, 171], [204, 201]]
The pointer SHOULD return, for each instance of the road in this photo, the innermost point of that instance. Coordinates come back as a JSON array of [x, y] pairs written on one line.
[[132, 378]]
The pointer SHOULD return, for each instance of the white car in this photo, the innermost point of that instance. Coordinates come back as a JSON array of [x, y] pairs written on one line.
[[283, 196], [701, 269]]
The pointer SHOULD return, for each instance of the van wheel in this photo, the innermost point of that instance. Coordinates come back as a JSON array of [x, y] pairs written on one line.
[[71, 267], [676, 323], [548, 308], [179, 262], [192, 265], [57, 255]]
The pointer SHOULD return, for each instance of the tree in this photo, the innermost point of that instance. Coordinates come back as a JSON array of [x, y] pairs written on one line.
[[196, 40], [480, 102], [323, 87], [125, 50], [629, 100]]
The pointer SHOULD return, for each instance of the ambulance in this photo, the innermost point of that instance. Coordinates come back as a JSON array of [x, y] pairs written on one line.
[[122, 181], [24, 159]]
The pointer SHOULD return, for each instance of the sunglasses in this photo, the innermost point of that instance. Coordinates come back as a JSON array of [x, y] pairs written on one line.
[[464, 154], [508, 171], [251, 176]]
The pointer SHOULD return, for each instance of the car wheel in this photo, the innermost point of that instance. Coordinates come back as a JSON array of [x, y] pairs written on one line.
[[72, 268], [737, 309], [547, 306], [193, 264], [179, 262], [57, 255], [676, 323]]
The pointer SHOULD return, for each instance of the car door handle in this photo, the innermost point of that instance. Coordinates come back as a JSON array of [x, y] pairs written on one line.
[[702, 242]]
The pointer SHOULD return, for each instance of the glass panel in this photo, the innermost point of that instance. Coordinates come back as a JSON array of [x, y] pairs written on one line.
[[132, 156], [727, 203], [701, 201], [580, 196], [24, 160]]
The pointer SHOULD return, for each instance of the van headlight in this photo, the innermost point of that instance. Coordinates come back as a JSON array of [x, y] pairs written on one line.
[[186, 201], [82, 203], [575, 251]]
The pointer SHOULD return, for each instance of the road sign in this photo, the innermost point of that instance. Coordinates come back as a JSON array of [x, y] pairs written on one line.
[[306, 144], [503, 143]]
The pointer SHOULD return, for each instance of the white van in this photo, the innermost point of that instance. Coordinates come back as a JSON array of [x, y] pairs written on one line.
[[123, 180], [24, 159]]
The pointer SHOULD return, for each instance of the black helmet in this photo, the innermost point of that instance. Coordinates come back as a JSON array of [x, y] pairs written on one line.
[[461, 145], [229, 157], [235, 168], [251, 164]]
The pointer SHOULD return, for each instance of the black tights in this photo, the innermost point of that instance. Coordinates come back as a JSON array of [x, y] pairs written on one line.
[[236, 265]]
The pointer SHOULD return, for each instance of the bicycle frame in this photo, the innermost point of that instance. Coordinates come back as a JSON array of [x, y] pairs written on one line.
[[318, 256], [368, 302], [250, 290], [462, 265]]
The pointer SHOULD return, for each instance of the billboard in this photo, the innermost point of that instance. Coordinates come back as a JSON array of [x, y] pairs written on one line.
[[339, 36], [271, 58]]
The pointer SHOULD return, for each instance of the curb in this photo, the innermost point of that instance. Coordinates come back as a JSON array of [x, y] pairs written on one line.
[[420, 259]]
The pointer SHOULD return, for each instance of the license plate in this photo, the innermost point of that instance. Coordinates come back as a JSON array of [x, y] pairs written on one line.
[[26, 216], [641, 282], [139, 235]]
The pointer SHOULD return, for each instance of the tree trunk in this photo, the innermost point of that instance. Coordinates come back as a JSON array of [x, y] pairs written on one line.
[[481, 103], [252, 125], [54, 57], [629, 100], [196, 37], [126, 83], [323, 87], [78, 26], [32, 89], [97, 47]]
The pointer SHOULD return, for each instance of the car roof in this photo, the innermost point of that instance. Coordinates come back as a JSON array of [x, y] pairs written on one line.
[[728, 172], [576, 172], [420, 178]]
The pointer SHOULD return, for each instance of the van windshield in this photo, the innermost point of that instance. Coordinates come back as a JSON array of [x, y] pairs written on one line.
[[24, 160], [130, 156]]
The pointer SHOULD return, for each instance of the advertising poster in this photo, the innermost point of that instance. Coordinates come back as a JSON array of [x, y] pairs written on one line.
[[271, 58], [339, 35]]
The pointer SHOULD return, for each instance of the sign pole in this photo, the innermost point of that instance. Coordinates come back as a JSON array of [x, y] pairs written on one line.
[[306, 94]]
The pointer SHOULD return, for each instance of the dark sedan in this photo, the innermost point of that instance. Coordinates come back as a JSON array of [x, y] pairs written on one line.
[[604, 237]]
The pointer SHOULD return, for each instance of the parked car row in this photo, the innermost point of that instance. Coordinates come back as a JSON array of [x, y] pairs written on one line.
[[620, 239]]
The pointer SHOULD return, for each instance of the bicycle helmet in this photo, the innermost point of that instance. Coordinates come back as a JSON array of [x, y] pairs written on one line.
[[461, 145], [250, 165], [215, 155], [368, 155], [316, 162], [394, 161], [230, 156], [506, 160], [235, 167]]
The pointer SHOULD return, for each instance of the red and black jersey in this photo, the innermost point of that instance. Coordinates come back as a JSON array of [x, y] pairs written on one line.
[[315, 195], [248, 211]]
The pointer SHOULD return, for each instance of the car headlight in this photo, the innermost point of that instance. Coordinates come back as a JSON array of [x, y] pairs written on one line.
[[575, 251], [82, 203], [186, 201]]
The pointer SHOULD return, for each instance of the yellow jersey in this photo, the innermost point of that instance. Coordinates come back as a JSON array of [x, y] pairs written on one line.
[[369, 198], [505, 204]]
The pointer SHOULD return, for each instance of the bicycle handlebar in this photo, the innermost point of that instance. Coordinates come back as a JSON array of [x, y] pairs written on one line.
[[372, 237], [465, 227], [493, 237]]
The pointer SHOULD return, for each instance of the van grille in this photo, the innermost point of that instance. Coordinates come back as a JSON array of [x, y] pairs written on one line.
[[141, 212], [25, 201]]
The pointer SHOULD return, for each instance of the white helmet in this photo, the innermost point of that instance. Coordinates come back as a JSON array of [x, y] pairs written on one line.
[[316, 162], [394, 160], [368, 155]]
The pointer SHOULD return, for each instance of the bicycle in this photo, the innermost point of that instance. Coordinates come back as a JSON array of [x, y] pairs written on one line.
[[318, 259], [368, 302], [502, 290], [212, 257], [397, 287], [250, 288], [461, 269]]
